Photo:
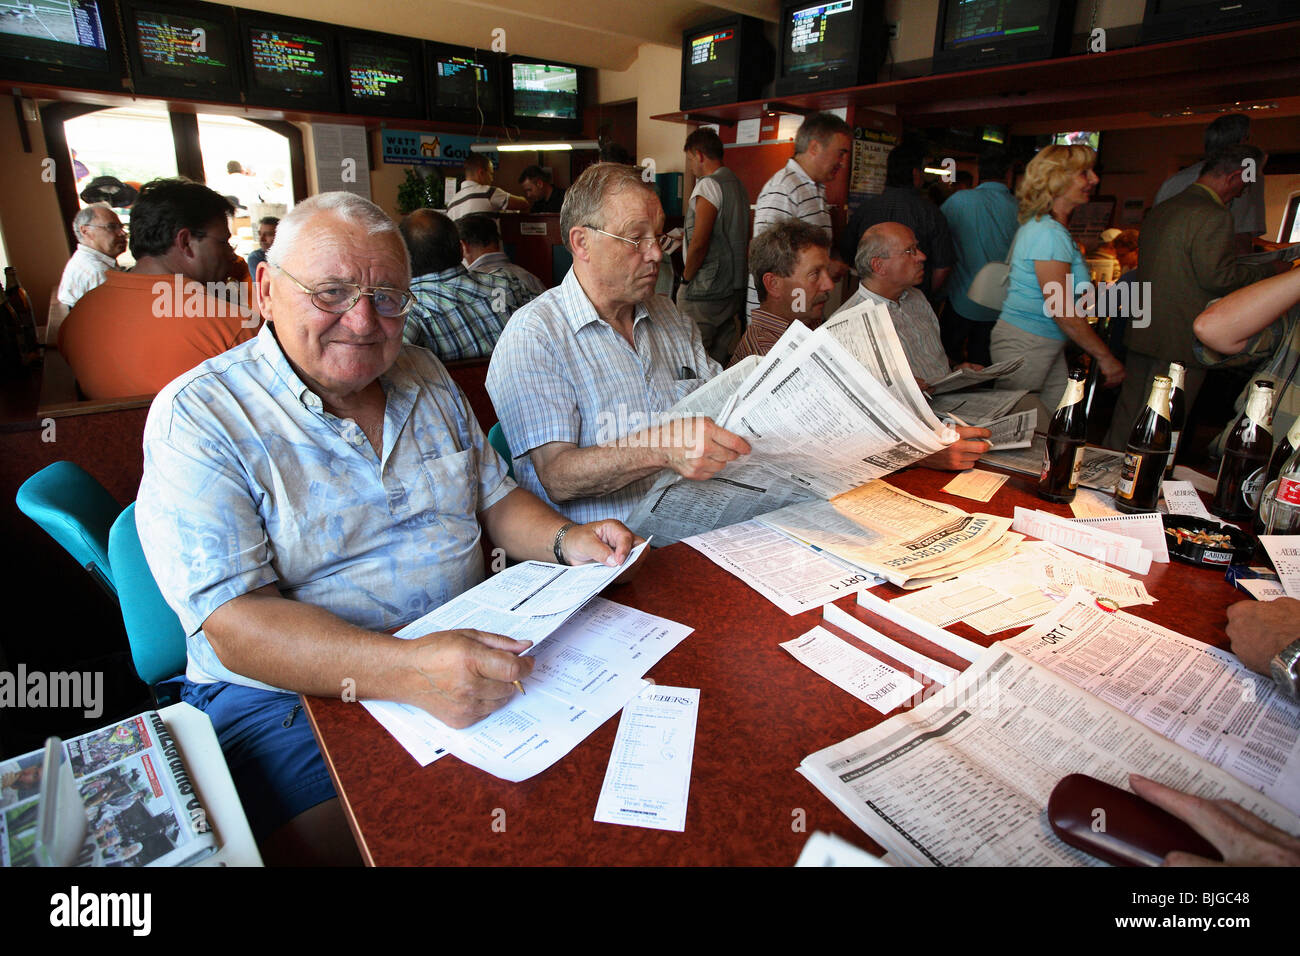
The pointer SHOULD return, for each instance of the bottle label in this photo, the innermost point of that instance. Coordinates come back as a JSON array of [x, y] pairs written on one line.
[[1173, 447], [1259, 407], [1288, 490], [1073, 394], [1252, 486], [1076, 468], [1128, 474]]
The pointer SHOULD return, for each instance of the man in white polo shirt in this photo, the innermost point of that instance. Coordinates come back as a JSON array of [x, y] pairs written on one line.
[[101, 238]]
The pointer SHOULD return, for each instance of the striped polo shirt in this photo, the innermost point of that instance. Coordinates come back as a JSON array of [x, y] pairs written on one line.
[[790, 194]]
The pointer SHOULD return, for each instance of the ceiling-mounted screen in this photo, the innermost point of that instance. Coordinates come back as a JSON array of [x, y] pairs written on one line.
[[288, 63], [66, 42], [182, 49], [382, 75]]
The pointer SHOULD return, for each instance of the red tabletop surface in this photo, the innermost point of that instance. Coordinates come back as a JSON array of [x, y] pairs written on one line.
[[761, 712]]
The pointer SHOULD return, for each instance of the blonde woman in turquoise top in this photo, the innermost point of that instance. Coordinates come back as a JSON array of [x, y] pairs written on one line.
[[1040, 313]]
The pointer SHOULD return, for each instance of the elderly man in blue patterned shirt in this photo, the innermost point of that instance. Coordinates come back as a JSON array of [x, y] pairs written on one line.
[[583, 373], [315, 488]]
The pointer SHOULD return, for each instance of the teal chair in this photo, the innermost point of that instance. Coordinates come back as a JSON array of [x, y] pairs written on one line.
[[497, 439], [152, 628], [76, 511]]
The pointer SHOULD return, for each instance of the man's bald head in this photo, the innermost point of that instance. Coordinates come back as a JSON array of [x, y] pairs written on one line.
[[433, 241]]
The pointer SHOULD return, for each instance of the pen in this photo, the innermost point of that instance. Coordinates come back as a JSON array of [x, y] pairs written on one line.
[[520, 685]]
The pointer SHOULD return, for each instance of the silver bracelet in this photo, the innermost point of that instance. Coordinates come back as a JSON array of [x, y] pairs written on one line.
[[559, 541]]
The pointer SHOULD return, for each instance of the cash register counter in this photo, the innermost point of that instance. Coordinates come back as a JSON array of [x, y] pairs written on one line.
[[761, 712]]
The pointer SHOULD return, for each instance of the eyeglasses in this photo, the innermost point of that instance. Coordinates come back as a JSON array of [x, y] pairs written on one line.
[[99, 225], [913, 250], [643, 245], [339, 297]]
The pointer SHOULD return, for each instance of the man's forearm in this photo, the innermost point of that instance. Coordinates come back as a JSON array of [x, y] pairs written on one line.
[[523, 525], [597, 470]]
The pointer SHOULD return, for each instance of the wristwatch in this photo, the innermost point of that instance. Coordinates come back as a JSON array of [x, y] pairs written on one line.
[[1285, 668]]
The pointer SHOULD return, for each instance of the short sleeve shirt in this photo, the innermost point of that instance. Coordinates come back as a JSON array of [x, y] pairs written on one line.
[[1039, 240], [248, 481], [473, 197], [560, 373]]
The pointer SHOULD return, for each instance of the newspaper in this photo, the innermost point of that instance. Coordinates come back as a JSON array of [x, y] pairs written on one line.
[[888, 532], [141, 807], [963, 778], [1100, 468], [964, 378], [1012, 431], [978, 406], [1198, 696], [819, 423]]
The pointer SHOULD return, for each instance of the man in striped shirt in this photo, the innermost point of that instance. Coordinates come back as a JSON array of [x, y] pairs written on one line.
[[798, 190], [457, 314], [791, 263], [477, 194]]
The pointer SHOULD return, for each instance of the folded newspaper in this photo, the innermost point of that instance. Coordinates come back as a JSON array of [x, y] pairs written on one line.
[[824, 412], [141, 808]]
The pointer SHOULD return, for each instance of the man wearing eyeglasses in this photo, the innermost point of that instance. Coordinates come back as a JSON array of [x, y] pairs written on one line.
[[582, 374], [313, 490], [186, 300], [101, 238]]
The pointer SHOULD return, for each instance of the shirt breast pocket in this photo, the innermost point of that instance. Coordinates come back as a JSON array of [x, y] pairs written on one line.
[[453, 483], [683, 387]]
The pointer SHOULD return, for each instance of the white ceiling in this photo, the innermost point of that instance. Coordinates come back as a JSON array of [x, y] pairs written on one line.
[[597, 33]]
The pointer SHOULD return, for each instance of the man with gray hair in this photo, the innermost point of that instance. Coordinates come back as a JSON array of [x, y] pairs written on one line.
[[583, 373], [1230, 129], [315, 489], [798, 190], [101, 238]]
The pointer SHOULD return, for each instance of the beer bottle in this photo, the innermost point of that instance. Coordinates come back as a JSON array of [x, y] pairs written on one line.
[[1280, 455], [22, 306], [1279, 505], [1177, 413], [1245, 457], [1063, 455], [1138, 487]]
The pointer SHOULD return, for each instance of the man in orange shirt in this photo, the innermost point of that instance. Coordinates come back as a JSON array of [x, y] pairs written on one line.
[[185, 301]]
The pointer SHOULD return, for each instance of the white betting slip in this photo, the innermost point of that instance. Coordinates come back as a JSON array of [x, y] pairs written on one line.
[[976, 484], [1284, 549], [1181, 498], [873, 682], [648, 778]]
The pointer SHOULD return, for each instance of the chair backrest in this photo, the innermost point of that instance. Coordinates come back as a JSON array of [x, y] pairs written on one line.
[[76, 511], [153, 629], [497, 439]]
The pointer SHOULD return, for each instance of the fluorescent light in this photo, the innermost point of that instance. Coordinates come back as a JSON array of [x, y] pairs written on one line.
[[532, 147], [935, 172]]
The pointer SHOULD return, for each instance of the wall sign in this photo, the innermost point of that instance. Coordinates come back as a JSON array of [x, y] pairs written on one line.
[[413, 148]]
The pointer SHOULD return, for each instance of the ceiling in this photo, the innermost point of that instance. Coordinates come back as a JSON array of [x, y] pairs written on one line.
[[603, 34]]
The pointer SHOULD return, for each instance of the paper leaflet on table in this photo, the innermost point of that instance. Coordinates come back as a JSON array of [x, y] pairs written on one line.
[[920, 663], [1078, 535], [648, 779], [1284, 550], [588, 668], [1146, 527], [792, 575], [818, 424], [976, 484], [850, 669], [827, 849], [1181, 498], [963, 777]]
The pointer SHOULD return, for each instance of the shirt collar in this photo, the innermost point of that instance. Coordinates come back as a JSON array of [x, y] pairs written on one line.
[[489, 258], [446, 274], [1210, 192], [799, 171], [995, 184], [877, 297], [578, 310], [97, 255]]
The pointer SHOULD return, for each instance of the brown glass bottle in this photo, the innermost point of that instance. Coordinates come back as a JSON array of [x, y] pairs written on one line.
[[21, 303], [1138, 487], [1066, 436], [1177, 413], [1245, 457]]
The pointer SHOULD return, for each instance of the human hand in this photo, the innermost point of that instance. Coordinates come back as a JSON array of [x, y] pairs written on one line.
[[461, 676], [963, 453], [922, 384], [696, 448], [1259, 629], [1111, 369], [1243, 838], [606, 542]]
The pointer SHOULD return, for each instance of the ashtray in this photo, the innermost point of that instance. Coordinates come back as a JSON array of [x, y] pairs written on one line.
[[1206, 543]]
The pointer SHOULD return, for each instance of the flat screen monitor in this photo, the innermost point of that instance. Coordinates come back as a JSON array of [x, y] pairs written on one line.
[[544, 95], [831, 45], [63, 42], [182, 49], [724, 62], [464, 84], [1175, 19], [383, 75], [973, 34], [1290, 229], [1078, 138], [288, 63]]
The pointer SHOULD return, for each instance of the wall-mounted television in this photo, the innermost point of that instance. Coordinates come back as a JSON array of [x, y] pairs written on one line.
[[464, 84], [383, 75], [1174, 19], [61, 42], [181, 49], [831, 45], [544, 95], [288, 63], [973, 34], [726, 61]]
